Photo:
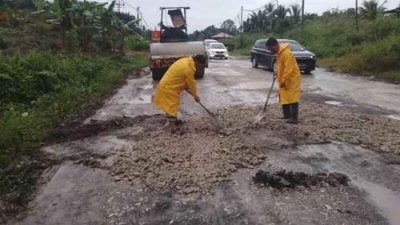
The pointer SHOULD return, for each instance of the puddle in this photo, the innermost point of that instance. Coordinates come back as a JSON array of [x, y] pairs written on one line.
[[387, 201], [394, 117], [334, 103]]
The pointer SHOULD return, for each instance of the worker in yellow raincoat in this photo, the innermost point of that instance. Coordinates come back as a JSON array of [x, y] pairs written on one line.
[[289, 78], [179, 77]]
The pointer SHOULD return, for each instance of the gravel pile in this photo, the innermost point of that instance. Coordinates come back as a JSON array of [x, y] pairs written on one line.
[[200, 158]]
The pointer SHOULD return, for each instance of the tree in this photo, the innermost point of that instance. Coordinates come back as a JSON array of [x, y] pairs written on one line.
[[210, 31], [295, 14], [282, 22], [63, 10], [229, 26], [370, 9]]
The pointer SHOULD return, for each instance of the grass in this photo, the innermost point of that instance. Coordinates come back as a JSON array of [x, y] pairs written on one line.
[[341, 65], [39, 91]]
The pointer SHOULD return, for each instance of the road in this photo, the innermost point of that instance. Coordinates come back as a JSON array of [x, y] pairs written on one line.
[[84, 189]]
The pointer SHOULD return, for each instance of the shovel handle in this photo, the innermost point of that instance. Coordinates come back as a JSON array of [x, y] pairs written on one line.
[[269, 93], [203, 106]]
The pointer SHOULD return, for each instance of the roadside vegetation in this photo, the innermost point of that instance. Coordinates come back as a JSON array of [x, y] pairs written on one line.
[[57, 60], [371, 50]]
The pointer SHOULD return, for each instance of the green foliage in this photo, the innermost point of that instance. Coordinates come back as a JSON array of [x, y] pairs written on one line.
[[248, 42], [39, 4], [273, 20], [327, 37], [40, 90], [371, 9], [67, 25], [136, 43]]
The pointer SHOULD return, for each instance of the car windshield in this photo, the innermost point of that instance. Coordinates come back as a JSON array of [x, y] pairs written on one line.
[[295, 46], [210, 41], [217, 46]]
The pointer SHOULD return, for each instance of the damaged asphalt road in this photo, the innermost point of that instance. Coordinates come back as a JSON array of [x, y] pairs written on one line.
[[119, 167]]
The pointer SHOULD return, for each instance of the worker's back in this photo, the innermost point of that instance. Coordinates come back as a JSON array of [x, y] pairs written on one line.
[[176, 76]]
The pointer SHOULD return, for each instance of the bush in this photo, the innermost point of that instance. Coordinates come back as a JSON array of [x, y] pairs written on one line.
[[381, 28], [136, 43], [38, 91]]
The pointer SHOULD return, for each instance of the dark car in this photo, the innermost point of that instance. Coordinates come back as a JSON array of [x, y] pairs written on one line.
[[261, 56]]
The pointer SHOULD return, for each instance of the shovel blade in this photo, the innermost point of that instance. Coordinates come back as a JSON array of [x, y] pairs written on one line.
[[259, 117], [215, 124]]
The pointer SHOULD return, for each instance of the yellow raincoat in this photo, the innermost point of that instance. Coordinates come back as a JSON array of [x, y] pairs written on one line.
[[288, 72], [179, 76]]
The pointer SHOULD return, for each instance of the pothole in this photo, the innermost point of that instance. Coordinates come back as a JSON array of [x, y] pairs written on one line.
[[289, 179], [200, 158]]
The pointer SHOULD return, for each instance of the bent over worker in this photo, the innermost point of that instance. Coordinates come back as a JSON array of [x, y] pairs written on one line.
[[179, 77], [289, 78]]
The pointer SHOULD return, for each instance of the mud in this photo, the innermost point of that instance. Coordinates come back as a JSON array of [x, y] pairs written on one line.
[[289, 179], [200, 158], [96, 127]]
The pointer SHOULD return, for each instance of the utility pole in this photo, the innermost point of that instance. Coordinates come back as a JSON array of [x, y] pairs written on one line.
[[241, 25], [302, 12], [138, 16], [119, 4], [357, 15]]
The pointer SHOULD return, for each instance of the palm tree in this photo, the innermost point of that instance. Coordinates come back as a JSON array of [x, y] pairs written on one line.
[[371, 9], [280, 19], [295, 11]]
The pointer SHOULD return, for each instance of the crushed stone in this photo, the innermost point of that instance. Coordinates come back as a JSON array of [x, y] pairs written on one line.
[[199, 158]]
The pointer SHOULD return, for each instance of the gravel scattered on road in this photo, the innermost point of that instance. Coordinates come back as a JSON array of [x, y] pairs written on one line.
[[200, 158]]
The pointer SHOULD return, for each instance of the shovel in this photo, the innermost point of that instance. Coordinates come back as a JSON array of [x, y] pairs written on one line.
[[261, 114], [213, 119]]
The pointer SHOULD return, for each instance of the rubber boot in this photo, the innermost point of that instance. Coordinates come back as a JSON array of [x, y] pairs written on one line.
[[294, 113], [286, 111]]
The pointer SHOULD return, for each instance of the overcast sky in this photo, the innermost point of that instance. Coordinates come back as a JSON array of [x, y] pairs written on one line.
[[213, 12]]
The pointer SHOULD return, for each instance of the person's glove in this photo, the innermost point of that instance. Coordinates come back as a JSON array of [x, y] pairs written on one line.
[[196, 98]]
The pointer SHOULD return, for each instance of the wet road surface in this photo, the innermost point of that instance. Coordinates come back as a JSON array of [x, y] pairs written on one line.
[[235, 82], [78, 193]]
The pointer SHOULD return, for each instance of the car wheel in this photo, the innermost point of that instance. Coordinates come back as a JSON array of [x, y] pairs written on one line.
[[158, 73], [199, 73], [254, 62]]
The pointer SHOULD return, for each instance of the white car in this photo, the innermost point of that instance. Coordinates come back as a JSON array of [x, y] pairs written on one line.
[[207, 42], [217, 50]]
